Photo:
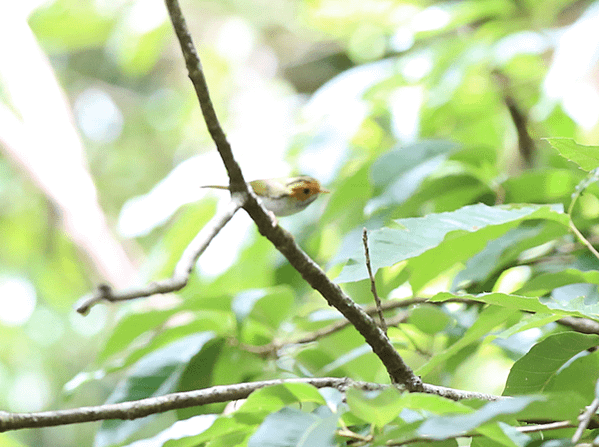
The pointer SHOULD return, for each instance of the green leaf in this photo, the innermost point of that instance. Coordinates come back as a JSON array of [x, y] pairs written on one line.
[[488, 319], [223, 428], [375, 407], [443, 427], [267, 306], [555, 406], [401, 171], [459, 234], [273, 398], [191, 427], [579, 376], [574, 307], [546, 282], [587, 157], [129, 328], [403, 160], [429, 319], [154, 375], [506, 249], [533, 372], [294, 428], [498, 434]]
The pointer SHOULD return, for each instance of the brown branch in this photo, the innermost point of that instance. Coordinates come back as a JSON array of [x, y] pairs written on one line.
[[182, 270], [583, 325], [377, 300], [280, 238], [585, 419], [221, 393], [196, 74], [526, 145], [153, 405]]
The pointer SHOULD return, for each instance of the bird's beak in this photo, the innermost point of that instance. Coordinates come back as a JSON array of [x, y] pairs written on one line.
[[323, 190]]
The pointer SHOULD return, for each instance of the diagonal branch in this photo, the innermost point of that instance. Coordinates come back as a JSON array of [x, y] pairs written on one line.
[[182, 270], [196, 74], [399, 371]]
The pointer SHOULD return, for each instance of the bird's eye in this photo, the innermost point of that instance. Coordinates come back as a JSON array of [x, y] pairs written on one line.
[[306, 191]]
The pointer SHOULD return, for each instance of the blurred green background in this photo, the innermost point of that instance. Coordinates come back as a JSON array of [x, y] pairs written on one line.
[[103, 149]]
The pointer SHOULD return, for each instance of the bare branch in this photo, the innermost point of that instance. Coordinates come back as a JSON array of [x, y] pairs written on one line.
[[377, 300], [221, 393], [526, 429], [583, 325], [153, 405], [182, 270], [196, 74], [453, 394], [582, 239], [585, 419]]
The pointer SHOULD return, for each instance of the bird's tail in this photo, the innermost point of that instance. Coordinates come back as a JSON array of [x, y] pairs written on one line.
[[215, 186]]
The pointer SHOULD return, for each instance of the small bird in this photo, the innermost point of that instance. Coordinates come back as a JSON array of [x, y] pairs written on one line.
[[285, 196]]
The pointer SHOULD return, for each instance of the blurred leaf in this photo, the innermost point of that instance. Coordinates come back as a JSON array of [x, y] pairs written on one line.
[[488, 319], [579, 376], [555, 406], [268, 306], [505, 250], [499, 434], [404, 168], [442, 427], [289, 427], [375, 407], [71, 25], [273, 398], [224, 427], [587, 157], [429, 319], [156, 374], [533, 372], [545, 282]]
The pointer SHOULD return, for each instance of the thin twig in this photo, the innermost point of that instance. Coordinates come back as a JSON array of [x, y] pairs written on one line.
[[582, 239], [377, 300], [182, 270], [525, 429], [585, 419], [544, 427], [272, 348]]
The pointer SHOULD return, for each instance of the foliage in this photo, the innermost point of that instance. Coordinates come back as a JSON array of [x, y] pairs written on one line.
[[412, 121]]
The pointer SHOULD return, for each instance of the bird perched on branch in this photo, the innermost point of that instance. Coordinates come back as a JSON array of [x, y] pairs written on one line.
[[285, 196]]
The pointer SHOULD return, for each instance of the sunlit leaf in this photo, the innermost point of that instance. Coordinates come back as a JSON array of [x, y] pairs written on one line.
[[458, 234]]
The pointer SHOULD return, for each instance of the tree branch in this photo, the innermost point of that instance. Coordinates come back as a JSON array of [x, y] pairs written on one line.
[[221, 393], [152, 405], [182, 270], [399, 371], [377, 300]]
